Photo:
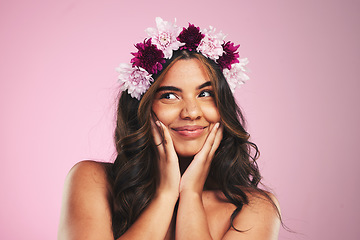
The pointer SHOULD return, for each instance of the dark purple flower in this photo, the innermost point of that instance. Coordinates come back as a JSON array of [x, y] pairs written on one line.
[[229, 55], [191, 37], [149, 57]]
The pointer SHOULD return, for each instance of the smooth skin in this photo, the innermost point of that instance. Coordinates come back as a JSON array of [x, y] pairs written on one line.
[[185, 114]]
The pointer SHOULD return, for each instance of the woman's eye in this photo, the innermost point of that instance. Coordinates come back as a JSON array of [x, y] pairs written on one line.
[[168, 96], [206, 94]]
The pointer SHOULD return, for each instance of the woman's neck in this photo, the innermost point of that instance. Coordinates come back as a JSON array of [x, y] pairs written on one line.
[[184, 162]]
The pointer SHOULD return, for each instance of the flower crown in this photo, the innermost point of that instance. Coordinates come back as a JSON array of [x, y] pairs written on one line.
[[136, 76]]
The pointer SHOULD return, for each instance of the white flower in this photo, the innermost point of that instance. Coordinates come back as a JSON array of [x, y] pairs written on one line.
[[135, 80], [236, 76], [211, 45], [164, 36]]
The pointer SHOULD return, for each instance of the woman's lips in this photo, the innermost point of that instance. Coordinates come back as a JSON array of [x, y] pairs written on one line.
[[189, 131]]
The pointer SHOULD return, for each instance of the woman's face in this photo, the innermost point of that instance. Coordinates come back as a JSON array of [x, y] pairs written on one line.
[[185, 103]]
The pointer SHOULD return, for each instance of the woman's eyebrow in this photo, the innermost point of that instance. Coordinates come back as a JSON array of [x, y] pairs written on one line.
[[172, 88], [206, 84], [168, 88]]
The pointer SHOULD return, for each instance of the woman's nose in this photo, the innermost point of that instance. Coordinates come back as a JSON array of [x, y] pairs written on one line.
[[191, 110]]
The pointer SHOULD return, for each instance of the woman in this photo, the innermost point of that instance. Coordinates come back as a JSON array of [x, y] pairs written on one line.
[[185, 167]]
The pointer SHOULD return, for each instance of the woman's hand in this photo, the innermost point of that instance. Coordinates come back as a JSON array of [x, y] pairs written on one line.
[[191, 220], [168, 161], [194, 177]]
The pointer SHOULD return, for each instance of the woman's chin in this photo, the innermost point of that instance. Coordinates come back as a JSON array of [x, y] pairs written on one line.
[[188, 151], [188, 147]]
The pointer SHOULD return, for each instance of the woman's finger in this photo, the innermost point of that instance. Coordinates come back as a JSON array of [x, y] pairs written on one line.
[[169, 172], [167, 142], [217, 141], [158, 139], [209, 143]]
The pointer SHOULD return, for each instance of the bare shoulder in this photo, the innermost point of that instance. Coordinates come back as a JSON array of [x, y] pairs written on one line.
[[260, 203], [89, 172], [260, 219], [87, 177], [85, 212]]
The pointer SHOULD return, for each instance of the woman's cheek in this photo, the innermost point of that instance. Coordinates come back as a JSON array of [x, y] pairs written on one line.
[[211, 114], [166, 114]]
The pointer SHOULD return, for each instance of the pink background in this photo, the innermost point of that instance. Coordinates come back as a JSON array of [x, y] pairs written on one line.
[[58, 85]]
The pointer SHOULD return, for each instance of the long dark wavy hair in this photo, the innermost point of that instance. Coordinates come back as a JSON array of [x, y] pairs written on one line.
[[134, 174]]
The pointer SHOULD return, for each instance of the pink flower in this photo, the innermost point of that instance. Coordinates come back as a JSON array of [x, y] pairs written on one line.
[[165, 36], [191, 36], [135, 80], [211, 45], [236, 76], [149, 57], [136, 77], [230, 56]]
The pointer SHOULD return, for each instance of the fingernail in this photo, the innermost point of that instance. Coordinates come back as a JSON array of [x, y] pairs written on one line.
[[158, 123], [217, 125]]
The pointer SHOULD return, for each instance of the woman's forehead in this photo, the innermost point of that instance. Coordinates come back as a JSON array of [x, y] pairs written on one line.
[[185, 72]]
